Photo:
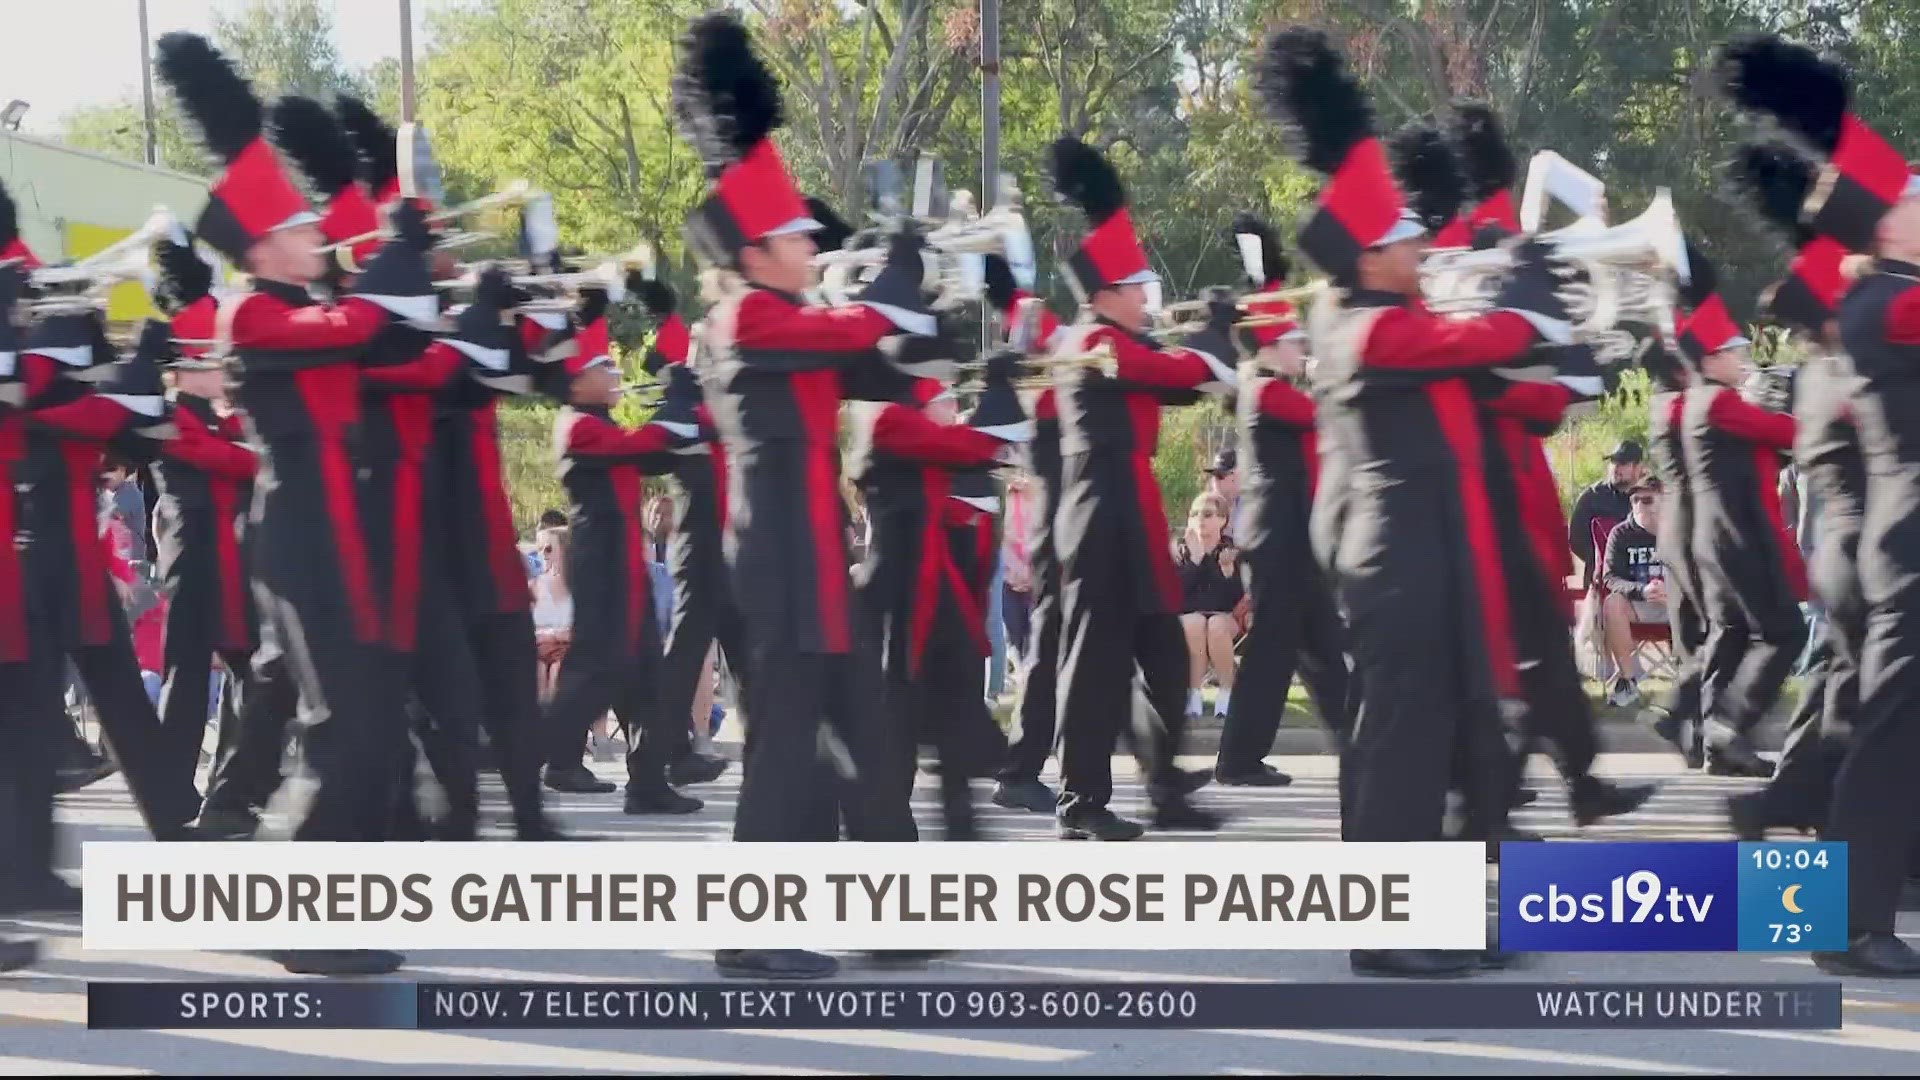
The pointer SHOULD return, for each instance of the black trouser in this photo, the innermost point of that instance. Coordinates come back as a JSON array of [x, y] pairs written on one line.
[[1747, 664], [1102, 637], [502, 650], [1295, 626], [1016, 617], [786, 793], [1801, 790], [599, 675], [943, 706], [1032, 736], [32, 722], [1689, 629], [703, 612], [258, 700], [111, 675]]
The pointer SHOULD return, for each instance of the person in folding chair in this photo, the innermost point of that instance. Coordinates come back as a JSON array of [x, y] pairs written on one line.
[[1633, 586]]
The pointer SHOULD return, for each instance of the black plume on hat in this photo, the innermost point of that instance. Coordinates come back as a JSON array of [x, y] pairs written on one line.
[[305, 131], [184, 276], [1807, 95], [1772, 179], [1304, 85], [1084, 177], [1702, 280], [211, 92], [1424, 164], [1486, 161], [378, 143], [725, 100], [834, 231], [1273, 259], [9, 218], [656, 296]]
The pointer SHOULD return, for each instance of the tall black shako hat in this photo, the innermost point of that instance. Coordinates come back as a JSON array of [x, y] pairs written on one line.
[[727, 104], [1706, 326], [1772, 180], [1810, 99], [1110, 254], [1304, 86], [252, 196], [1426, 168], [1489, 169]]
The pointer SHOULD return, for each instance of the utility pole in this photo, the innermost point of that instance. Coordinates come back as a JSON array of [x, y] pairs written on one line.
[[151, 139], [406, 61], [989, 128]]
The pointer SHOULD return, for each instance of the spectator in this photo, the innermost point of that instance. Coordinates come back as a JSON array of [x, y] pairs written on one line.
[[549, 519], [1605, 501], [552, 607], [1016, 569], [553, 519], [1636, 588], [1209, 590], [146, 609], [658, 523], [119, 486], [1223, 479]]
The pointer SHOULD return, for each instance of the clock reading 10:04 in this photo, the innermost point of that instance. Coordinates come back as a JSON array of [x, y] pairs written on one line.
[[1804, 857]]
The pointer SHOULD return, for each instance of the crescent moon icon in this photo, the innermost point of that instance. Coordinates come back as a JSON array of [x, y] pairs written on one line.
[[1787, 898]]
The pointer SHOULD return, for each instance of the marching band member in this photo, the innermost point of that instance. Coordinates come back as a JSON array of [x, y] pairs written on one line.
[[1871, 204], [30, 659], [1777, 179], [614, 661], [704, 612], [296, 364], [1682, 725], [1121, 596], [204, 476], [1033, 735], [1751, 575], [780, 370], [919, 611], [1295, 622], [70, 421], [1410, 528]]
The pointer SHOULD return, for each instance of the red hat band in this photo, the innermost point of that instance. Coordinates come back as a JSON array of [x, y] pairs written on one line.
[[1860, 183], [1359, 207], [1497, 209], [193, 326], [1109, 255], [671, 340], [349, 214], [1267, 335], [252, 198], [1454, 234], [18, 249], [1709, 330], [591, 348], [759, 194]]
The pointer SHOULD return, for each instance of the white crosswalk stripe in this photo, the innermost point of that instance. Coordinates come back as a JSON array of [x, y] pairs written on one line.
[[43, 1012]]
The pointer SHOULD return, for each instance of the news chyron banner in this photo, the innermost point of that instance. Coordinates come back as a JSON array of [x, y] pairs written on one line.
[[1020, 896], [1673, 897]]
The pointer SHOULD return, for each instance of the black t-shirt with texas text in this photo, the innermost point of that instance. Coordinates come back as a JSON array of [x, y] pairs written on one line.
[[1631, 560]]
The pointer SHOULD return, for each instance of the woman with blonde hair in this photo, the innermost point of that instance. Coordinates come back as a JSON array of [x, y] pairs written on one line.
[[552, 606], [1210, 589]]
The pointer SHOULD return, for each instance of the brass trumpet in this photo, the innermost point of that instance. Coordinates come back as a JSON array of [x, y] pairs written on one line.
[[1191, 326], [515, 194], [1292, 295]]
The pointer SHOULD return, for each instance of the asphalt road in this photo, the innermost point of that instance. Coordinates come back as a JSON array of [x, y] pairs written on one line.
[[43, 1012]]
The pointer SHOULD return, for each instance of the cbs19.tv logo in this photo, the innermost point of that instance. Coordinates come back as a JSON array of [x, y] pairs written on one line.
[[1604, 897]]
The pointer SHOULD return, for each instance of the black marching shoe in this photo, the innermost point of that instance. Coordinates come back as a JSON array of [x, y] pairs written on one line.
[[339, 961], [696, 769], [1177, 814], [774, 964], [1524, 796], [1737, 758], [897, 958], [1674, 730], [1413, 963], [16, 953], [1029, 794], [1879, 955], [1187, 781], [578, 780], [56, 896], [659, 800], [1747, 814], [541, 830], [1096, 823], [1261, 775], [219, 824], [1592, 798]]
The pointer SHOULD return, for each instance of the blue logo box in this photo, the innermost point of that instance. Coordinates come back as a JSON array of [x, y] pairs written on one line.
[[1675, 897], [1631, 897]]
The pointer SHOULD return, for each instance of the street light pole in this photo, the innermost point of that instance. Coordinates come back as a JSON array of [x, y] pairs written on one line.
[[150, 139], [406, 61], [989, 127]]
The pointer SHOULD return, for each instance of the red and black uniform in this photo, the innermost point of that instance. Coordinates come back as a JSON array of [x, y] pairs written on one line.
[[478, 563], [1407, 526], [1751, 577], [1876, 804], [1296, 625], [614, 661], [1121, 592], [204, 475], [780, 370], [919, 595], [1686, 612], [704, 610], [298, 381], [1833, 474], [67, 429]]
